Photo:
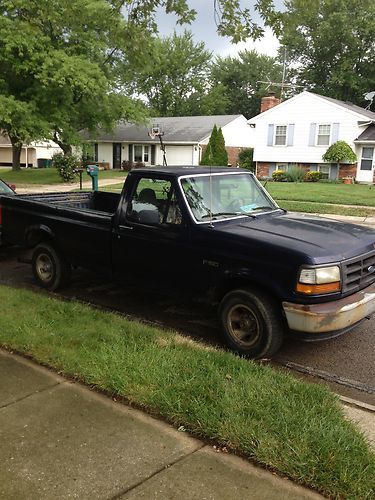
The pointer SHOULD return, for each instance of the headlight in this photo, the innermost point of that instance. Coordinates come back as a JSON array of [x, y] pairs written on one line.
[[319, 280]]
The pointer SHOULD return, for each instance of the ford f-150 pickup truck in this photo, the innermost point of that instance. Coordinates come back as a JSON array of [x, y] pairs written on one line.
[[213, 233]]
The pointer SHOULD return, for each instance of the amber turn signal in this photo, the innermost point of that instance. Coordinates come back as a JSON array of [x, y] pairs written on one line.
[[318, 289]]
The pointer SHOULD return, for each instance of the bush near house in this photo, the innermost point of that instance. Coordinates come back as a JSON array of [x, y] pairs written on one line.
[[339, 152], [313, 176], [66, 166], [245, 159], [279, 176], [127, 165], [295, 174], [215, 153]]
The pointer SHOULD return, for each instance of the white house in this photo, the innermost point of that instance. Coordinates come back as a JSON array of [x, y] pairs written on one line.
[[184, 139], [298, 132], [32, 155]]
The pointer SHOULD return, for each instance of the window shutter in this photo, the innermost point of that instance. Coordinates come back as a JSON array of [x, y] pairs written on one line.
[[130, 152], [271, 128], [312, 134], [290, 134], [335, 132]]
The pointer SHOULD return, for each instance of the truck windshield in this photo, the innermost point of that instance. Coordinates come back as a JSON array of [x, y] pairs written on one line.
[[222, 196]]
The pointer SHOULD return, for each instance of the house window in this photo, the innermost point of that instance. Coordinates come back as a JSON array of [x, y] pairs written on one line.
[[325, 171], [141, 153], [367, 158], [323, 135], [282, 166], [280, 135]]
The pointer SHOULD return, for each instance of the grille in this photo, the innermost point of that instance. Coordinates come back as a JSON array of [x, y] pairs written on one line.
[[358, 272]]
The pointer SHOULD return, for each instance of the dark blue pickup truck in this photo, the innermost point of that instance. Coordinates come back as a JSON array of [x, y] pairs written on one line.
[[214, 234]]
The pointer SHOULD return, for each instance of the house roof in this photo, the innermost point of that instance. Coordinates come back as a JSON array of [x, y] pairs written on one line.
[[181, 129], [350, 106], [367, 135], [367, 114]]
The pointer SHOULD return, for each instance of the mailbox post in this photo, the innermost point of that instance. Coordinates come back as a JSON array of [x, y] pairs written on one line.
[[93, 172]]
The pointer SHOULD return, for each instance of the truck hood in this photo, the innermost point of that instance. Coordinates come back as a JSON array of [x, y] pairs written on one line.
[[322, 239]]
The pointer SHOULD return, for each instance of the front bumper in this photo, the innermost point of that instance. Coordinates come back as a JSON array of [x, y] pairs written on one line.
[[337, 316]]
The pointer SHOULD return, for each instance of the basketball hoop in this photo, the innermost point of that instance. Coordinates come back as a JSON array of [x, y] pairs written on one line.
[[151, 135]]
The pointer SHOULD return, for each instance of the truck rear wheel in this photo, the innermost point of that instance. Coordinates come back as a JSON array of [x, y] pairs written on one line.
[[50, 269], [251, 323]]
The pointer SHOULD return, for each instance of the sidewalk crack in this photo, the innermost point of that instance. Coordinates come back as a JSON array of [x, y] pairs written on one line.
[[167, 466], [2, 406]]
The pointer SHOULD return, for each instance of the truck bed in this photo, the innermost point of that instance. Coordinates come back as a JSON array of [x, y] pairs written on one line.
[[79, 223], [98, 201]]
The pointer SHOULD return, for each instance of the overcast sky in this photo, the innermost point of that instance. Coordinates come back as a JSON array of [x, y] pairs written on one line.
[[204, 29]]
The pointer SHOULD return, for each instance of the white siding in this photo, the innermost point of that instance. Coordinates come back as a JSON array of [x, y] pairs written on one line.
[[301, 111], [237, 133], [105, 153]]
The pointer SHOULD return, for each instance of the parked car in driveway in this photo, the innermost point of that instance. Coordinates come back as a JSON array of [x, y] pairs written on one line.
[[6, 189], [213, 233]]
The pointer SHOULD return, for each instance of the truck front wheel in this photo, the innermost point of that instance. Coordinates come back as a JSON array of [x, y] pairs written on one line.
[[251, 323], [50, 269]]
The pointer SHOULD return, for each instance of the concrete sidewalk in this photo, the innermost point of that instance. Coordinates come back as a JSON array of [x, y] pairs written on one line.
[[60, 440]]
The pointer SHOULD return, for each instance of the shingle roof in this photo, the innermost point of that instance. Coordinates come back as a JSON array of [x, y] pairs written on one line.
[[350, 106], [181, 129], [368, 134]]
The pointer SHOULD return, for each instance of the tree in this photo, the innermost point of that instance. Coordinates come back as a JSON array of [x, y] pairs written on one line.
[[331, 43], [61, 61], [240, 76], [177, 69], [215, 153]]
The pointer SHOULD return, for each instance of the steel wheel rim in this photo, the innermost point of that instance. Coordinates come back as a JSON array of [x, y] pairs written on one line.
[[243, 325], [44, 267]]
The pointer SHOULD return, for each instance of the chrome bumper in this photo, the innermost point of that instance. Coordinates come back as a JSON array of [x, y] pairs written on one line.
[[331, 316]]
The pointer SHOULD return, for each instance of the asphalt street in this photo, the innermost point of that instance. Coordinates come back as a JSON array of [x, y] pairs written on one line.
[[345, 363]]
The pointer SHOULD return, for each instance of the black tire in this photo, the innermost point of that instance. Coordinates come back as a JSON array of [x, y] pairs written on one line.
[[50, 269], [251, 322]]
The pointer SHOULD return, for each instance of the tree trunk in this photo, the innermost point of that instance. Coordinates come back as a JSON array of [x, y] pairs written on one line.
[[16, 153], [66, 148]]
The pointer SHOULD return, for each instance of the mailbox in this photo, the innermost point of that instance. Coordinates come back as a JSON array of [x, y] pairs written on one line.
[[93, 172]]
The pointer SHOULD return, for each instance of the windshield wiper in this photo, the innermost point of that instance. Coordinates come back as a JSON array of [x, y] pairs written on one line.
[[220, 214]]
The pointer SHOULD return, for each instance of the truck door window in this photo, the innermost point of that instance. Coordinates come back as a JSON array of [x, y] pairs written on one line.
[[154, 202]]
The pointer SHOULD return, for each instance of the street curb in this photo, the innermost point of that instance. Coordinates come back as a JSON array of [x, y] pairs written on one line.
[[358, 404]]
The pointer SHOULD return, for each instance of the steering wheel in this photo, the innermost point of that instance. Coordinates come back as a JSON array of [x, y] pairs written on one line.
[[235, 205]]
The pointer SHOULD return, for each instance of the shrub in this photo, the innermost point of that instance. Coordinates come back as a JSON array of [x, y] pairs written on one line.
[[279, 176], [127, 165], [245, 159], [215, 153], [66, 166], [295, 174], [339, 152], [313, 176]]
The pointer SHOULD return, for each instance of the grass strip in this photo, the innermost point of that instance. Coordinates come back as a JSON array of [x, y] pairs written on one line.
[[352, 194], [39, 176], [324, 208], [290, 426]]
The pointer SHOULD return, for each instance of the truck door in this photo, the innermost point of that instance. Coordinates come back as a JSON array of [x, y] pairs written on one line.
[[151, 241]]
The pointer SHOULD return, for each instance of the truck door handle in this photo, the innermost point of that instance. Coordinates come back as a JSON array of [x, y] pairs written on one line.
[[126, 227]]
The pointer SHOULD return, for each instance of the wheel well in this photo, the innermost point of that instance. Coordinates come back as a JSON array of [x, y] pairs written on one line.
[[38, 235], [237, 283]]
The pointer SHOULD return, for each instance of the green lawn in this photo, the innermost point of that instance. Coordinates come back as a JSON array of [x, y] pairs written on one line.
[[292, 427], [353, 194], [27, 176]]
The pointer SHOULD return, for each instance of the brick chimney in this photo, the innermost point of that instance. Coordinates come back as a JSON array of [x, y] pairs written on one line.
[[269, 102]]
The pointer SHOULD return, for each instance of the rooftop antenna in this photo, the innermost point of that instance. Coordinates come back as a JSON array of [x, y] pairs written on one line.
[[283, 85], [369, 97], [157, 132]]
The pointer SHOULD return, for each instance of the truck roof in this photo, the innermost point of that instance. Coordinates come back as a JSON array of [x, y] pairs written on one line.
[[182, 170]]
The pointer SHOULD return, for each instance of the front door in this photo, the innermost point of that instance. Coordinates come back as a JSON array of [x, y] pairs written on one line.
[[116, 155], [366, 165]]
